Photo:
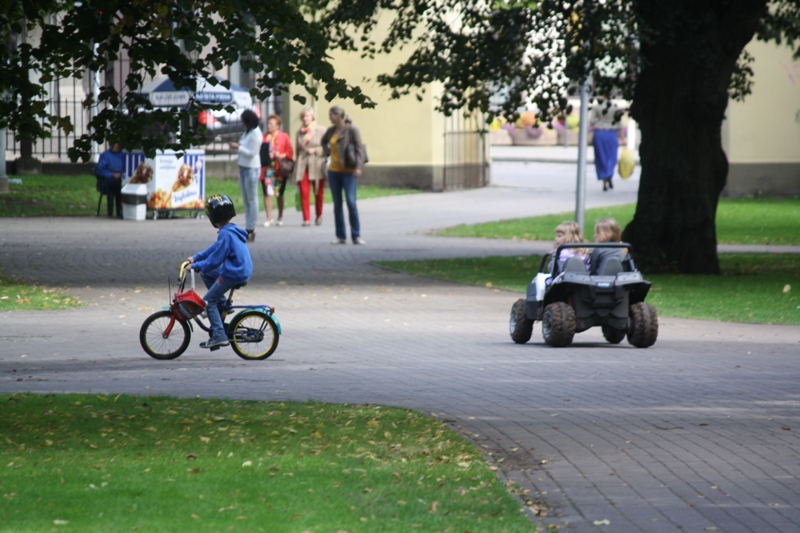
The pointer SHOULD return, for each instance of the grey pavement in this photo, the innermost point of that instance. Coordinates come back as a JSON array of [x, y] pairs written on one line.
[[697, 433]]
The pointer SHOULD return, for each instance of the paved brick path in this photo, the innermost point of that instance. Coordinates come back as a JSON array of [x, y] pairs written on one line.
[[697, 433]]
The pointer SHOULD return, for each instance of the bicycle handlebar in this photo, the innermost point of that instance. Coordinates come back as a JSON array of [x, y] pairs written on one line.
[[183, 272]]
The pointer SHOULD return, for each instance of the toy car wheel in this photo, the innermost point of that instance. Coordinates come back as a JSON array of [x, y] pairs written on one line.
[[612, 335], [558, 324], [519, 325], [643, 325]]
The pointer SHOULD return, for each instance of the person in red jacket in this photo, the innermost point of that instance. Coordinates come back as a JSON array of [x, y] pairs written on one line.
[[276, 146]]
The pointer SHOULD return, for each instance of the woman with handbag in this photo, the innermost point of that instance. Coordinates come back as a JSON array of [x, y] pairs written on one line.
[[342, 143], [278, 156], [310, 165], [605, 118]]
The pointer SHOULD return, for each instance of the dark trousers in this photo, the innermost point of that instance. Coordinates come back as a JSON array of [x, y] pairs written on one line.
[[114, 191]]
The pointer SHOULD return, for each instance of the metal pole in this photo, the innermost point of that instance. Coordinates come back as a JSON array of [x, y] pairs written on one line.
[[583, 135], [94, 109], [3, 175]]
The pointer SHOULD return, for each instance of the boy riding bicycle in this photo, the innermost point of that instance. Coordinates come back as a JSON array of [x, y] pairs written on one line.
[[223, 265]]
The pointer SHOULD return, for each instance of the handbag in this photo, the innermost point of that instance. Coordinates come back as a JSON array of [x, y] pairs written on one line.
[[350, 159], [626, 163], [287, 167]]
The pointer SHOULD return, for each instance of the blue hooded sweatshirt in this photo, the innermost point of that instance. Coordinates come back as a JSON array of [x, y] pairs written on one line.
[[229, 253]]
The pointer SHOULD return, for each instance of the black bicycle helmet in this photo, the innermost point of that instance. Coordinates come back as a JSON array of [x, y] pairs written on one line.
[[219, 208]]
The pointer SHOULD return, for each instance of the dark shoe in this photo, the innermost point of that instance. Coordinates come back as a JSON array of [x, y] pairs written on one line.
[[610, 184], [215, 343], [251, 236], [605, 185]]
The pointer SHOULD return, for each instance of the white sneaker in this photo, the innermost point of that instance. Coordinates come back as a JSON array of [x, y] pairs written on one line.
[[268, 223], [338, 241], [279, 222], [359, 240]]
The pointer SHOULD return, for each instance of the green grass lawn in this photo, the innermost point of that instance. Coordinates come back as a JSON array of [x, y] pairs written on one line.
[[76, 195], [739, 221], [752, 288], [85, 463], [15, 295], [755, 288]]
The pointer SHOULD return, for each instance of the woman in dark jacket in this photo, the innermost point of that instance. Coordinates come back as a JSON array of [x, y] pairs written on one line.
[[342, 143]]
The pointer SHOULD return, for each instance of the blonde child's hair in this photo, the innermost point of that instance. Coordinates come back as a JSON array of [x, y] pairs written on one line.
[[607, 230], [572, 232]]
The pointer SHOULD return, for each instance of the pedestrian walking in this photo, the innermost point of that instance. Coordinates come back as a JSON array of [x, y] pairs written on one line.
[[342, 144], [606, 120], [276, 147], [249, 147], [309, 170]]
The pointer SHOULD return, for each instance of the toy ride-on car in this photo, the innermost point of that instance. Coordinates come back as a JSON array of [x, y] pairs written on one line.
[[573, 300]]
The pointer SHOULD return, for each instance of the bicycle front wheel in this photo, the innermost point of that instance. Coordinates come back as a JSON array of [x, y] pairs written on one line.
[[157, 343], [254, 335]]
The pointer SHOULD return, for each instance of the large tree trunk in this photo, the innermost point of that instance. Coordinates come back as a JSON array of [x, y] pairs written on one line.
[[680, 101]]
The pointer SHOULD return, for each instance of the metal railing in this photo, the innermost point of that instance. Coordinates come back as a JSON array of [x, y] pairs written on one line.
[[466, 161]]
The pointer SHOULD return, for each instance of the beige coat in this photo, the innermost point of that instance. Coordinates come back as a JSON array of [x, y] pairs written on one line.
[[309, 155]]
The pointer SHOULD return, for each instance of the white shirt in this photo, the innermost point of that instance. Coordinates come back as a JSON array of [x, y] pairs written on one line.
[[249, 149]]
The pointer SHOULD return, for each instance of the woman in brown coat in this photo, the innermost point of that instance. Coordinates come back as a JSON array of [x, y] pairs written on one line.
[[309, 169]]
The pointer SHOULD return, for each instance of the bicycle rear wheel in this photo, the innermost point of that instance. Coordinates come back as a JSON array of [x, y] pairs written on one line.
[[153, 339], [253, 335]]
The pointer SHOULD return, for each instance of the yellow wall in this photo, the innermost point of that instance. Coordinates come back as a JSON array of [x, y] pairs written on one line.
[[765, 128], [397, 132]]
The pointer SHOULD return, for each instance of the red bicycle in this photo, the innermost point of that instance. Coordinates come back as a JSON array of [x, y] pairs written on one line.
[[253, 331]]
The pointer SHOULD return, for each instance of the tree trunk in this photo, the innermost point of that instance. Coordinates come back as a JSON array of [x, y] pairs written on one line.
[[680, 101]]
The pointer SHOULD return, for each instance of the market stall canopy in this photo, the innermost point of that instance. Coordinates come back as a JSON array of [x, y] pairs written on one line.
[[161, 92]]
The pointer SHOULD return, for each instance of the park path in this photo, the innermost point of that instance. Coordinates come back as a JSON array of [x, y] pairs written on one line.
[[697, 433]]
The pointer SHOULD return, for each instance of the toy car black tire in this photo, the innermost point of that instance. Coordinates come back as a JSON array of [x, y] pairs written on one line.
[[612, 335], [558, 324], [519, 325], [643, 329]]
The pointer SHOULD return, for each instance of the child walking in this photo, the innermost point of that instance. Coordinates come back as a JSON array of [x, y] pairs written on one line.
[[223, 265]]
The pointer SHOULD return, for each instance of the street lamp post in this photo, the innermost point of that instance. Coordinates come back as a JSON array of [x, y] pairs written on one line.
[[583, 135]]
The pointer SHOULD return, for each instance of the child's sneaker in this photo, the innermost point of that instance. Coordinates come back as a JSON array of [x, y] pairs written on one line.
[[213, 343]]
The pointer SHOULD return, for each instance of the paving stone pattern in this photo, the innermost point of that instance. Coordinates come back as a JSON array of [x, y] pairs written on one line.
[[697, 433]]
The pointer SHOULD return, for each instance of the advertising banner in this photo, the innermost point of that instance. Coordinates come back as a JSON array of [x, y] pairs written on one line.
[[172, 183]]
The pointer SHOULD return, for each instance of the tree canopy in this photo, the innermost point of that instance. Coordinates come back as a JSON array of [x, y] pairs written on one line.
[[678, 62], [47, 40]]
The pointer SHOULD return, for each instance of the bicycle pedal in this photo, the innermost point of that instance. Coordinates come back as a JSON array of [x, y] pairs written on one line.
[[214, 348]]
